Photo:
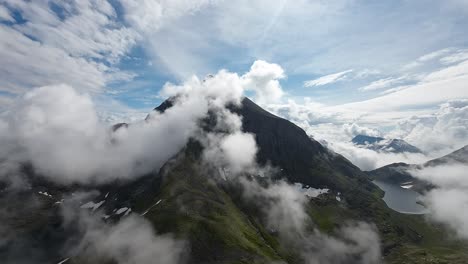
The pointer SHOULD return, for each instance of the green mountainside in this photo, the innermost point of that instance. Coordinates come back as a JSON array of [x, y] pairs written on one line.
[[192, 202]]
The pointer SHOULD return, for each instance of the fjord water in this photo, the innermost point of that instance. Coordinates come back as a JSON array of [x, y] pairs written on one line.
[[400, 199]]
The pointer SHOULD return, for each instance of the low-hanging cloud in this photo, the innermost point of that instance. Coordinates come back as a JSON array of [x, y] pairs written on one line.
[[448, 201], [284, 208], [57, 130], [335, 130], [132, 240], [367, 159]]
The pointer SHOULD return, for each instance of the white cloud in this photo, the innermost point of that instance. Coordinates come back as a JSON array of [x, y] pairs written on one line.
[[436, 132], [366, 73], [131, 240], [88, 29], [449, 206], [327, 79], [176, 44], [355, 129], [5, 14], [448, 202], [263, 78], [434, 55], [451, 72], [240, 150], [44, 65], [58, 130], [427, 58], [447, 176], [284, 208], [335, 129], [383, 83], [367, 159], [48, 118], [438, 87], [442, 131], [459, 55], [227, 147], [149, 16], [79, 49]]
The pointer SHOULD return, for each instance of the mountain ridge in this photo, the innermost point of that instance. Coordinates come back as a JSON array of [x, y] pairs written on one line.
[[191, 201], [384, 145]]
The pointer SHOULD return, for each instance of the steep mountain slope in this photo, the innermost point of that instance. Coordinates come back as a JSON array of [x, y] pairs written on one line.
[[301, 159]]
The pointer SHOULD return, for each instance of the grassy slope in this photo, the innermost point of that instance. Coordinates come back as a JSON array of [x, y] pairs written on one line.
[[196, 209]]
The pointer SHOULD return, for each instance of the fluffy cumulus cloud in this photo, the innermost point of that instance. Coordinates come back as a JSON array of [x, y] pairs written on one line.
[[335, 130], [410, 113], [443, 131], [58, 131], [263, 78], [354, 129]]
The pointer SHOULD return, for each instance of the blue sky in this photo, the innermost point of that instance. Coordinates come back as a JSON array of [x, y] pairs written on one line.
[[374, 63]]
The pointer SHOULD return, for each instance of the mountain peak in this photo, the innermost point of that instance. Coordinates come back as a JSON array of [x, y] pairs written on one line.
[[384, 145]]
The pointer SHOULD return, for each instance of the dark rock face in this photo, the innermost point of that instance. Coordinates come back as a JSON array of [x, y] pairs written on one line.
[[288, 147]]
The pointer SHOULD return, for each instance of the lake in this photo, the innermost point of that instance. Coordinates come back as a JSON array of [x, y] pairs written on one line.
[[400, 199]]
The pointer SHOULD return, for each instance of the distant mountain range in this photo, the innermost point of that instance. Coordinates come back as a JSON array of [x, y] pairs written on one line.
[[183, 198], [384, 145]]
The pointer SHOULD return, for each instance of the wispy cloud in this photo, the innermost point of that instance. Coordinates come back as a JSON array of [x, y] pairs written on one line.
[[383, 83], [80, 46], [5, 14], [459, 55], [327, 79]]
